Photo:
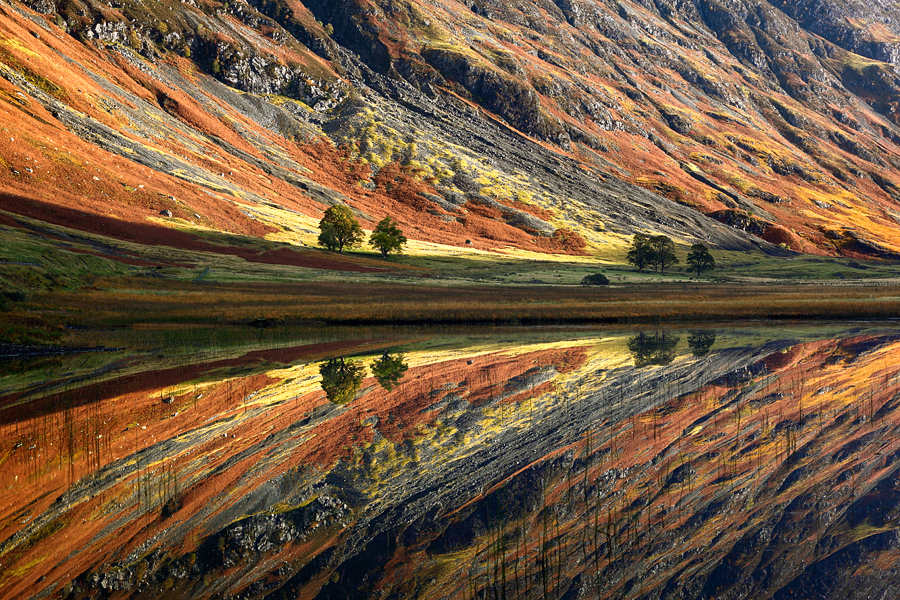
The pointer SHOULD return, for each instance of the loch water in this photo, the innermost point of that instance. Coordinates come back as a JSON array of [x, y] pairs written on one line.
[[740, 462]]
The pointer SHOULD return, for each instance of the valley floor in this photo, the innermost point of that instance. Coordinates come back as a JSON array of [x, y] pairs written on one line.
[[56, 281], [53, 315]]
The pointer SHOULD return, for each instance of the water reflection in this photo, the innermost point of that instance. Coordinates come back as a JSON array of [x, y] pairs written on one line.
[[752, 464], [389, 369], [341, 380], [701, 342], [653, 349]]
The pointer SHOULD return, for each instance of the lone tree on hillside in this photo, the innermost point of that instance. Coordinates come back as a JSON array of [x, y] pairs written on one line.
[[387, 237], [663, 249], [641, 254], [339, 228], [700, 259]]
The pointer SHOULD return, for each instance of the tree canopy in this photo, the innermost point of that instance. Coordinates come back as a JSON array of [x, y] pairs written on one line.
[[339, 228], [387, 237], [655, 349], [663, 249], [641, 254], [700, 259], [389, 370], [341, 380]]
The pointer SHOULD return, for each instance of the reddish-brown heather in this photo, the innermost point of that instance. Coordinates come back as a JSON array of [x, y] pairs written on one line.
[[776, 234], [156, 235], [537, 211], [405, 185], [483, 210], [778, 361]]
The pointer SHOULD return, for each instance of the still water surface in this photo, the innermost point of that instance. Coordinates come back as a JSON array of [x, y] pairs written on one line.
[[740, 463]]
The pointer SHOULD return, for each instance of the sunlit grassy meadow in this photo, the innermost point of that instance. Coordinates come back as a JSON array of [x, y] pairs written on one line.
[[54, 280]]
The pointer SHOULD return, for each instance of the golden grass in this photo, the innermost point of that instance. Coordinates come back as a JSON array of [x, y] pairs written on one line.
[[351, 303]]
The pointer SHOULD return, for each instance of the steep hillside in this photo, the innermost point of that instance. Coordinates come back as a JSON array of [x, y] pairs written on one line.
[[553, 127]]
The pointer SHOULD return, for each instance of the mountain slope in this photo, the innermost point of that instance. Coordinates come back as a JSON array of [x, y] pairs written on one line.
[[729, 108], [547, 126]]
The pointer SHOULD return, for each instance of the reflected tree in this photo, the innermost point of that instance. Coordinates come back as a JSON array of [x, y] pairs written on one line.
[[700, 343], [389, 369], [341, 380], [655, 349]]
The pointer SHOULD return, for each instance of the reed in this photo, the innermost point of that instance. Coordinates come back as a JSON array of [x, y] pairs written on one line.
[[173, 303]]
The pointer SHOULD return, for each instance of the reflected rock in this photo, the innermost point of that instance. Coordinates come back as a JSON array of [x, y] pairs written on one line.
[[504, 456]]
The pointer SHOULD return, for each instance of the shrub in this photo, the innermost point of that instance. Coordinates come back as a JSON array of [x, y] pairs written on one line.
[[595, 279]]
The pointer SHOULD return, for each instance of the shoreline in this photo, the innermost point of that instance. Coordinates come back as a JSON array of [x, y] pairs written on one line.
[[41, 324]]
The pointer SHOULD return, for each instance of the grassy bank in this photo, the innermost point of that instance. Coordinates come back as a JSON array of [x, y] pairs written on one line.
[[138, 303], [54, 281]]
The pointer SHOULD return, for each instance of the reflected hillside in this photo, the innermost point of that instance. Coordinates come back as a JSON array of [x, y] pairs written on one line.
[[543, 465]]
